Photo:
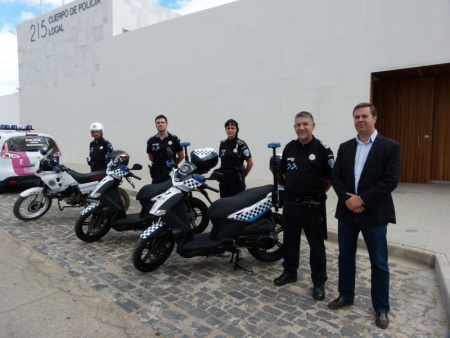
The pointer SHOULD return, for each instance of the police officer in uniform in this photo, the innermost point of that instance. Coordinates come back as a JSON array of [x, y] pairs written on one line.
[[306, 165], [157, 150], [98, 148], [233, 152]]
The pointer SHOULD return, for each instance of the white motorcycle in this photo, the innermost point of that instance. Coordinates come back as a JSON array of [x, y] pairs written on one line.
[[61, 183]]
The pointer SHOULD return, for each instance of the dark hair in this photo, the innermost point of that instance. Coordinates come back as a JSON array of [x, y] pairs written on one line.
[[161, 117], [373, 110], [232, 122], [304, 114]]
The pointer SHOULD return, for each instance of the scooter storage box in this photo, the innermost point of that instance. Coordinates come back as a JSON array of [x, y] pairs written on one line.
[[204, 159]]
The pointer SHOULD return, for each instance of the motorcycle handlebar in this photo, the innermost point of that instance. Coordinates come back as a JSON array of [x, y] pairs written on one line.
[[210, 188], [134, 176]]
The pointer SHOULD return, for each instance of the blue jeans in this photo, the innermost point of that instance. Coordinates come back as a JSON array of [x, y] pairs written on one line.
[[375, 239]]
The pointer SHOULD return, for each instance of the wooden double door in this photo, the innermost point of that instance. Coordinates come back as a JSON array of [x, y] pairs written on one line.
[[416, 113]]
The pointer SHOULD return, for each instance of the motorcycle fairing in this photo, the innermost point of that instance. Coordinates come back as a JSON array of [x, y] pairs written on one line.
[[103, 186], [173, 195], [147, 232], [91, 208]]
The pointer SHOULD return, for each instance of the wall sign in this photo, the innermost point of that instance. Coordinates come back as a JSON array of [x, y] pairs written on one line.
[[54, 23]]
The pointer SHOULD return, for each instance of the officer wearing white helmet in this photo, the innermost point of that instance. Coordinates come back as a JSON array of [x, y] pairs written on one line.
[[98, 148]]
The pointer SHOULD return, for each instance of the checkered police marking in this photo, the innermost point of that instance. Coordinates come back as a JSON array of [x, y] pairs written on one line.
[[89, 208], [203, 152], [152, 228], [254, 211]]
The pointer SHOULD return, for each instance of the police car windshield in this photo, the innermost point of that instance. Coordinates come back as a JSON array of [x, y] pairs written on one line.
[[30, 143]]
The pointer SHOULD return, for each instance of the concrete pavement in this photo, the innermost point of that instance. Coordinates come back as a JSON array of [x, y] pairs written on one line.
[[53, 285]]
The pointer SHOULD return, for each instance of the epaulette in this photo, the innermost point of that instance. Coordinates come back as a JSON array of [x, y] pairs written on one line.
[[326, 146], [240, 142]]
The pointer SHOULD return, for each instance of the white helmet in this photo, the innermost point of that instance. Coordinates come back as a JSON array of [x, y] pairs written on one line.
[[96, 126]]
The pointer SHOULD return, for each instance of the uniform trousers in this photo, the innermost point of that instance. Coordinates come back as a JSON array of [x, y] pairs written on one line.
[[375, 238], [295, 218], [231, 185]]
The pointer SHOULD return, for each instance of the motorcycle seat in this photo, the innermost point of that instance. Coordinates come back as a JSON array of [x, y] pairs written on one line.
[[228, 205], [87, 177], [151, 190]]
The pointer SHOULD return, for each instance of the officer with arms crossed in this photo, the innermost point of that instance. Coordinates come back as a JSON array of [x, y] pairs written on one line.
[[157, 150], [306, 165], [233, 152], [98, 148]]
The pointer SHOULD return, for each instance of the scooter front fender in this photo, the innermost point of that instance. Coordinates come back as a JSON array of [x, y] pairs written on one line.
[[151, 229], [92, 209], [32, 191]]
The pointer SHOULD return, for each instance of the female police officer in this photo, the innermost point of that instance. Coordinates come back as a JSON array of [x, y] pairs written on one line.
[[233, 152]]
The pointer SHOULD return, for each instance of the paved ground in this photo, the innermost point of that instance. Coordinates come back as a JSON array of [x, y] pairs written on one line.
[[54, 285]]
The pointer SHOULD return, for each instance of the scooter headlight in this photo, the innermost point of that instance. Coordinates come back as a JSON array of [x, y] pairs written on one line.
[[160, 212]]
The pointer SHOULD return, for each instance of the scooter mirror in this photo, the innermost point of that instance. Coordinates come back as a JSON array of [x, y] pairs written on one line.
[[136, 166], [216, 175]]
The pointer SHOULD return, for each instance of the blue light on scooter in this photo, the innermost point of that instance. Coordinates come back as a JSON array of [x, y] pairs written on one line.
[[274, 145]]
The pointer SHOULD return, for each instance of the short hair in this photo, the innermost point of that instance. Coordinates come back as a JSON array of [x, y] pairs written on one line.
[[161, 117], [373, 110], [304, 114], [232, 122]]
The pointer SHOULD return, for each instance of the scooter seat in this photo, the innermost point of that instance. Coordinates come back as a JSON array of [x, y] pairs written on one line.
[[151, 190], [228, 205], [97, 175]]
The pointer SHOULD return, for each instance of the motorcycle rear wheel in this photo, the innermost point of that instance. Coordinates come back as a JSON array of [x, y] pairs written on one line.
[[276, 253], [150, 253], [197, 215], [28, 208], [125, 198], [91, 227]]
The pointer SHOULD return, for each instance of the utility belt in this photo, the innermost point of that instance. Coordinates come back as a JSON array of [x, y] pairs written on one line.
[[233, 172], [157, 168], [307, 200]]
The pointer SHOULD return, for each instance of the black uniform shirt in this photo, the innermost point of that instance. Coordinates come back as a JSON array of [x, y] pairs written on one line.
[[98, 149], [306, 167], [158, 148], [232, 153]]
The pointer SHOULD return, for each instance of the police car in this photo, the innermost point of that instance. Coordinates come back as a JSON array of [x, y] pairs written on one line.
[[19, 152]]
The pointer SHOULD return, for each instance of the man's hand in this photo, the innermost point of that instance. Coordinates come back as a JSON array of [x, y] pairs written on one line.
[[354, 203]]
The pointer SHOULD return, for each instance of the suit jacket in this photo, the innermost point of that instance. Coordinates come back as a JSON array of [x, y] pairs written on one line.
[[379, 177]]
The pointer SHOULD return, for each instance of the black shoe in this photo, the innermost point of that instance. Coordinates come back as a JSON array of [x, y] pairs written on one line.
[[319, 292], [339, 303], [285, 278]]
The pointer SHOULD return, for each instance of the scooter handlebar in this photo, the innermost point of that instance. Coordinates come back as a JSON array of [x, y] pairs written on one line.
[[205, 186], [134, 176]]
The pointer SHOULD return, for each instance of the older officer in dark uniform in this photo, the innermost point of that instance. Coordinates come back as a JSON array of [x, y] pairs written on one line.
[[233, 152], [98, 148], [306, 165], [157, 150]]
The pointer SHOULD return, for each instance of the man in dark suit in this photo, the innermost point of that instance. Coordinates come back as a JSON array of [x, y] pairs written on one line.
[[366, 171]]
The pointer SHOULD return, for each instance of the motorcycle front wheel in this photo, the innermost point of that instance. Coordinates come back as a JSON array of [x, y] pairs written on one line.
[[92, 227], [31, 207], [276, 252], [125, 198], [196, 210], [150, 253]]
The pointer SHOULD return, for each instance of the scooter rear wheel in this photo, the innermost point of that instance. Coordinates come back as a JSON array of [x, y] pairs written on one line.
[[276, 252], [150, 253], [31, 207], [92, 227], [197, 209]]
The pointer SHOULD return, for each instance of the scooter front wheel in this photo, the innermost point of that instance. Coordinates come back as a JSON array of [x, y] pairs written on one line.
[[276, 252], [31, 207], [150, 253], [125, 198], [92, 227]]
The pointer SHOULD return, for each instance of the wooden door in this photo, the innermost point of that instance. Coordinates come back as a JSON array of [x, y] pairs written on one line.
[[405, 114], [440, 166]]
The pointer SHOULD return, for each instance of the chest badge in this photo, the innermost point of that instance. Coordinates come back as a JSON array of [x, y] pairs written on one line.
[[101, 147], [234, 150], [312, 157], [170, 143]]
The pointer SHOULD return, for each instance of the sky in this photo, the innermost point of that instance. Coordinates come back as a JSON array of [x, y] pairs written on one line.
[[16, 12]]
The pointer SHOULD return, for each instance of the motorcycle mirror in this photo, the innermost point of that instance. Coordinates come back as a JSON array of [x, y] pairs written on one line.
[[216, 175], [136, 166]]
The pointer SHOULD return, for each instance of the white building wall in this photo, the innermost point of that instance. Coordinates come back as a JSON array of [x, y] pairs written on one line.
[[257, 61], [10, 109]]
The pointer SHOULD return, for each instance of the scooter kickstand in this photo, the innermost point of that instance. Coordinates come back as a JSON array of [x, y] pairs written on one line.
[[236, 263]]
